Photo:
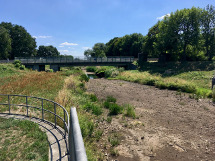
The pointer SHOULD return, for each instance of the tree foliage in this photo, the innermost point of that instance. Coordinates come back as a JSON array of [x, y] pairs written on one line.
[[98, 50], [47, 51], [5, 43], [22, 43]]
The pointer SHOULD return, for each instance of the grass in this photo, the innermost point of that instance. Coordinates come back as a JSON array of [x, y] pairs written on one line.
[[187, 77], [130, 112], [114, 139], [22, 140]]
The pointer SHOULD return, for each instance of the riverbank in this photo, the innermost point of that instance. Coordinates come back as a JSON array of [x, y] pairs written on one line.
[[169, 126]]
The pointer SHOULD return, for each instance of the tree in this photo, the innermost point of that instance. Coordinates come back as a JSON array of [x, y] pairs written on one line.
[[22, 43], [47, 51], [208, 30], [128, 45], [99, 50], [89, 52], [5, 43]]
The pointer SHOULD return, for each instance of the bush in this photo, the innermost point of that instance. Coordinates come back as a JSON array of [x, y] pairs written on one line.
[[93, 98], [22, 67], [50, 70], [17, 62], [111, 99], [130, 112], [91, 69], [84, 77], [96, 109], [115, 109]]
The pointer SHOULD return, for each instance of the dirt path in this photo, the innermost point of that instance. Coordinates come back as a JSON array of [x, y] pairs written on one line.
[[171, 126]]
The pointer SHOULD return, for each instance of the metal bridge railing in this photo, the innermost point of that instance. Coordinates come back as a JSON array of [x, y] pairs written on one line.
[[49, 60], [47, 110]]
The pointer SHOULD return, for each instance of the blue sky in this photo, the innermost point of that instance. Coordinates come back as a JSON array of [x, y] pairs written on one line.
[[76, 25]]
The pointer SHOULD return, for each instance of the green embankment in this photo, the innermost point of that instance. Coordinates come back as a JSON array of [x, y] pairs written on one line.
[[190, 77], [22, 140]]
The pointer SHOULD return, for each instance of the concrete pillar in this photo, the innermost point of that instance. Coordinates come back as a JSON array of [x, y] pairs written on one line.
[[42, 67], [39, 67], [55, 67]]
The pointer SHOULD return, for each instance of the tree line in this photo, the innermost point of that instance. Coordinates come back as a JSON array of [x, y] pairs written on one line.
[[15, 41], [184, 35]]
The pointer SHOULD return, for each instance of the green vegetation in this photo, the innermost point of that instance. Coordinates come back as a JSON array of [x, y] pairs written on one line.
[[22, 140], [130, 112], [190, 77], [91, 69], [184, 35]]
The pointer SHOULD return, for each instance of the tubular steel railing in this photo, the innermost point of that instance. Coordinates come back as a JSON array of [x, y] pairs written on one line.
[[49, 111], [49, 60]]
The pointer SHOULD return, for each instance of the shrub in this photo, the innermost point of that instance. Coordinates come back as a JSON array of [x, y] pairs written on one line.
[[98, 134], [86, 125], [107, 104], [114, 139], [96, 109], [50, 70], [17, 62], [111, 99], [93, 98], [130, 112], [84, 77], [91, 69], [115, 109], [22, 67]]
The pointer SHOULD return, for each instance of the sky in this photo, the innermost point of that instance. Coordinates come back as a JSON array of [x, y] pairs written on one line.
[[72, 26]]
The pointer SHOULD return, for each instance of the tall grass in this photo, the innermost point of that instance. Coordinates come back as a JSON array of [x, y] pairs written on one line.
[[190, 82]]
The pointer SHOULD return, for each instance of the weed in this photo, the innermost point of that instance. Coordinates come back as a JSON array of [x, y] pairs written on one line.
[[91, 69], [93, 98], [84, 77], [114, 139], [111, 99], [115, 109], [98, 134], [114, 152], [109, 119], [130, 112]]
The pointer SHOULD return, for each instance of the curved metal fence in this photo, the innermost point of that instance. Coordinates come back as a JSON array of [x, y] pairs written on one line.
[[50, 111]]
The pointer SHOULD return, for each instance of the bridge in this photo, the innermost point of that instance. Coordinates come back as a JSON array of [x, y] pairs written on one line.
[[38, 63]]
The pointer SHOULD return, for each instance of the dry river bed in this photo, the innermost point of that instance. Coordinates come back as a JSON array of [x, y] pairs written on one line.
[[170, 125]]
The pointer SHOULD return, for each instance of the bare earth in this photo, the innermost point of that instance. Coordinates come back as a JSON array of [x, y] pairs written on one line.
[[171, 126]]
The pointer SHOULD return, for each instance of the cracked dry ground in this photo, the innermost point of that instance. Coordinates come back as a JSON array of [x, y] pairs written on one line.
[[171, 126]]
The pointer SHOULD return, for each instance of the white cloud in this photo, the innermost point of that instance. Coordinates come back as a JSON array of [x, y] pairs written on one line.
[[68, 44], [162, 17], [61, 46], [42, 37], [85, 48]]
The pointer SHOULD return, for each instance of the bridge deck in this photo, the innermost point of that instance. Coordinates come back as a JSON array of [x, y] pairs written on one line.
[[69, 60]]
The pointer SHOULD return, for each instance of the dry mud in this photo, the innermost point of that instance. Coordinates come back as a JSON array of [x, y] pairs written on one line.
[[170, 125]]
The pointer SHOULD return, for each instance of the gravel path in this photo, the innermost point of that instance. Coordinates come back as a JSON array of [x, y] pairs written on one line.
[[171, 126]]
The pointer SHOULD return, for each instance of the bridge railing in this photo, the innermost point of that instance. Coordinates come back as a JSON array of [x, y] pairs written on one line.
[[49, 111], [49, 60]]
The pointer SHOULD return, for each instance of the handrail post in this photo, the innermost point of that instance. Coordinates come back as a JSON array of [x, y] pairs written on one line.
[[42, 111], [26, 99], [55, 119], [9, 103], [64, 124]]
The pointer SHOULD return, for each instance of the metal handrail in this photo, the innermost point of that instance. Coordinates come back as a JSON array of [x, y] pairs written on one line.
[[50, 60], [65, 119], [76, 150]]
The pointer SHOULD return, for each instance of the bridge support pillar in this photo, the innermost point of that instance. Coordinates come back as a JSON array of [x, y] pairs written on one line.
[[36, 67], [55, 67]]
